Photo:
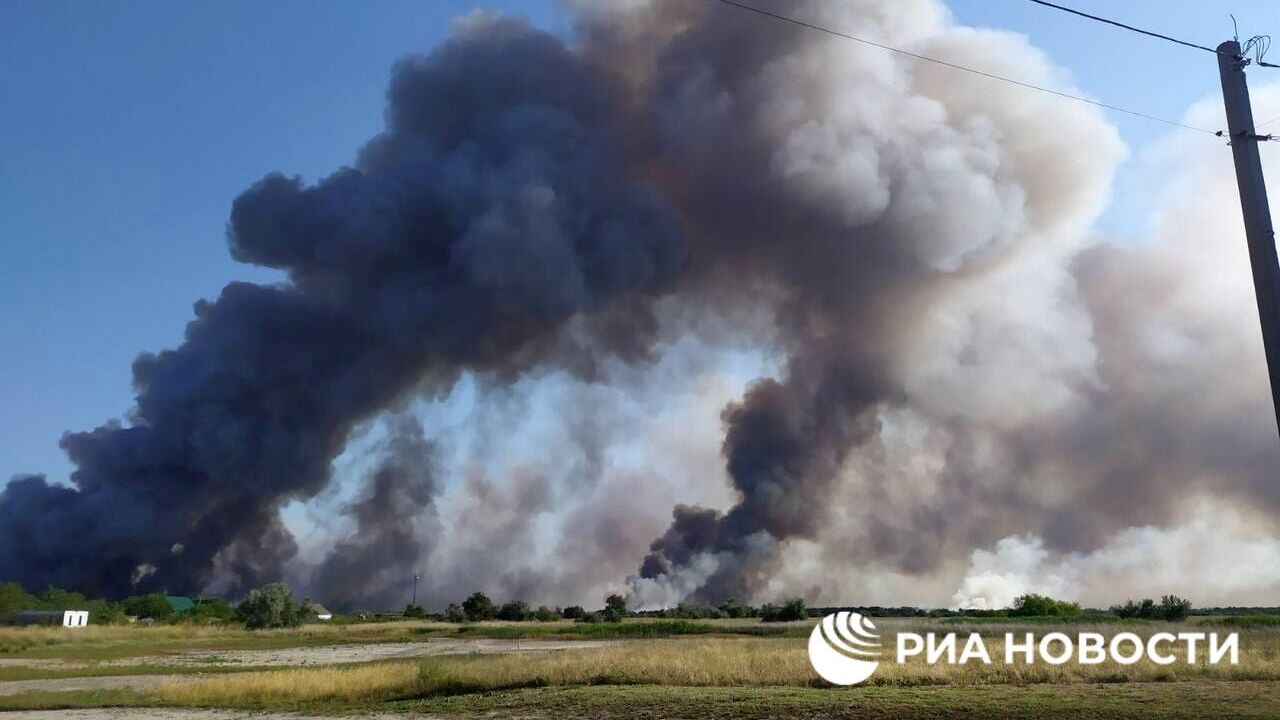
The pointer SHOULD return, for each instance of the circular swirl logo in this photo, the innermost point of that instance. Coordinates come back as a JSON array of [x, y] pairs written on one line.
[[844, 648]]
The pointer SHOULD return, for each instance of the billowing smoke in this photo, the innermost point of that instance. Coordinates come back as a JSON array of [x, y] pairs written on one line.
[[968, 390], [495, 208], [394, 522]]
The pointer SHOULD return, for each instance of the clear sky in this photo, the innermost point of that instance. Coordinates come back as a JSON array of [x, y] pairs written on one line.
[[128, 127]]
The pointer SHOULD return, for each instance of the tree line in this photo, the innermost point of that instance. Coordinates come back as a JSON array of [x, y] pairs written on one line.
[[273, 606]]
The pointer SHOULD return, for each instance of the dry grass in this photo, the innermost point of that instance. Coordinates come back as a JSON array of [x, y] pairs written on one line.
[[124, 640], [701, 662], [295, 687]]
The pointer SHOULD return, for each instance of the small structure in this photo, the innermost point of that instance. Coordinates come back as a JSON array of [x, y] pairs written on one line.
[[64, 618], [180, 604], [319, 611]]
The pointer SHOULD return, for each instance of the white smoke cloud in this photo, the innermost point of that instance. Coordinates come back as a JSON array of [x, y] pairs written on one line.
[[1216, 556]]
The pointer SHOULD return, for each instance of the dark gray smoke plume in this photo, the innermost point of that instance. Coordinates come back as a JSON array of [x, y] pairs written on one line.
[[493, 209], [961, 365], [368, 569]]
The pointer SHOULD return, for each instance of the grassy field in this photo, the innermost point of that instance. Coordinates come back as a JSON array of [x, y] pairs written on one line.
[[660, 668]]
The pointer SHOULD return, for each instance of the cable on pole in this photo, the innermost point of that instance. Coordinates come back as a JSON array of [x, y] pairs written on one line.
[[954, 66], [1258, 44], [1118, 24]]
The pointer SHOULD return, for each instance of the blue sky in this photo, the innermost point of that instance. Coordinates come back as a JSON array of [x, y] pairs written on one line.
[[130, 126]]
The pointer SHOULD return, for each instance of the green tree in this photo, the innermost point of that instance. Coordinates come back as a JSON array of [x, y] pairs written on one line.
[[271, 606], [545, 614], [1033, 605], [794, 609], [454, 613], [153, 607], [478, 607], [13, 600], [415, 612], [210, 609], [1144, 609], [573, 612], [1174, 608], [734, 609], [55, 598], [615, 608], [515, 611]]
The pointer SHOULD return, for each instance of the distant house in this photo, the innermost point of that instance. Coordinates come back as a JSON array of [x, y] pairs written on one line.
[[180, 604], [319, 611], [64, 618]]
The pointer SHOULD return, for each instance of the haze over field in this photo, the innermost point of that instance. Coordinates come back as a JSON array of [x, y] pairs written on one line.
[[810, 318]]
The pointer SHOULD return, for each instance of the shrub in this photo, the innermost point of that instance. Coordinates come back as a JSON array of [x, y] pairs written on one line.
[[13, 600], [792, 610], [733, 609], [271, 606], [1174, 608], [210, 609], [1033, 605], [573, 612], [545, 614], [1130, 610], [478, 607], [515, 611], [415, 612], [153, 607], [454, 613], [615, 608]]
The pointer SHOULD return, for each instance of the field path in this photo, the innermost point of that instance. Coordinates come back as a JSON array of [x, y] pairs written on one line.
[[284, 657], [344, 654], [175, 714]]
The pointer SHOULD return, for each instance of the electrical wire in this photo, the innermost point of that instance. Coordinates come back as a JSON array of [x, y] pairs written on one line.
[[1130, 28], [1258, 44], [954, 66]]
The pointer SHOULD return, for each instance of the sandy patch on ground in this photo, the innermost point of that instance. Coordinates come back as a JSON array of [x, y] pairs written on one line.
[[165, 714], [344, 654], [294, 657], [115, 682]]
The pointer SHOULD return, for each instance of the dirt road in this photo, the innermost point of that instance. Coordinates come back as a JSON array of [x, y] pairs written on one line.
[[284, 657]]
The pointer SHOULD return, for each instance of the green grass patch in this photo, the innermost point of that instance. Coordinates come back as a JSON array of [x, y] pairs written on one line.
[[1083, 618], [620, 630], [1250, 620]]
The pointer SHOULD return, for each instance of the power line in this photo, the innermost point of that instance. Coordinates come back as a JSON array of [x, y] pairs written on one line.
[[1259, 125], [1259, 43], [1124, 26], [954, 66]]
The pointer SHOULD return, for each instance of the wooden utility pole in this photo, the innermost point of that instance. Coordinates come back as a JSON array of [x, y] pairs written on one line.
[[1257, 212]]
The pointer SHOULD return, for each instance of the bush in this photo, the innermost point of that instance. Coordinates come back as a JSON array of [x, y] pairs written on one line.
[[514, 611], [478, 607], [615, 608], [1033, 605], [147, 607], [792, 610], [1171, 608], [731, 608], [454, 613], [591, 617], [545, 614], [1174, 608], [271, 606], [210, 609], [13, 600], [573, 612], [414, 612]]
